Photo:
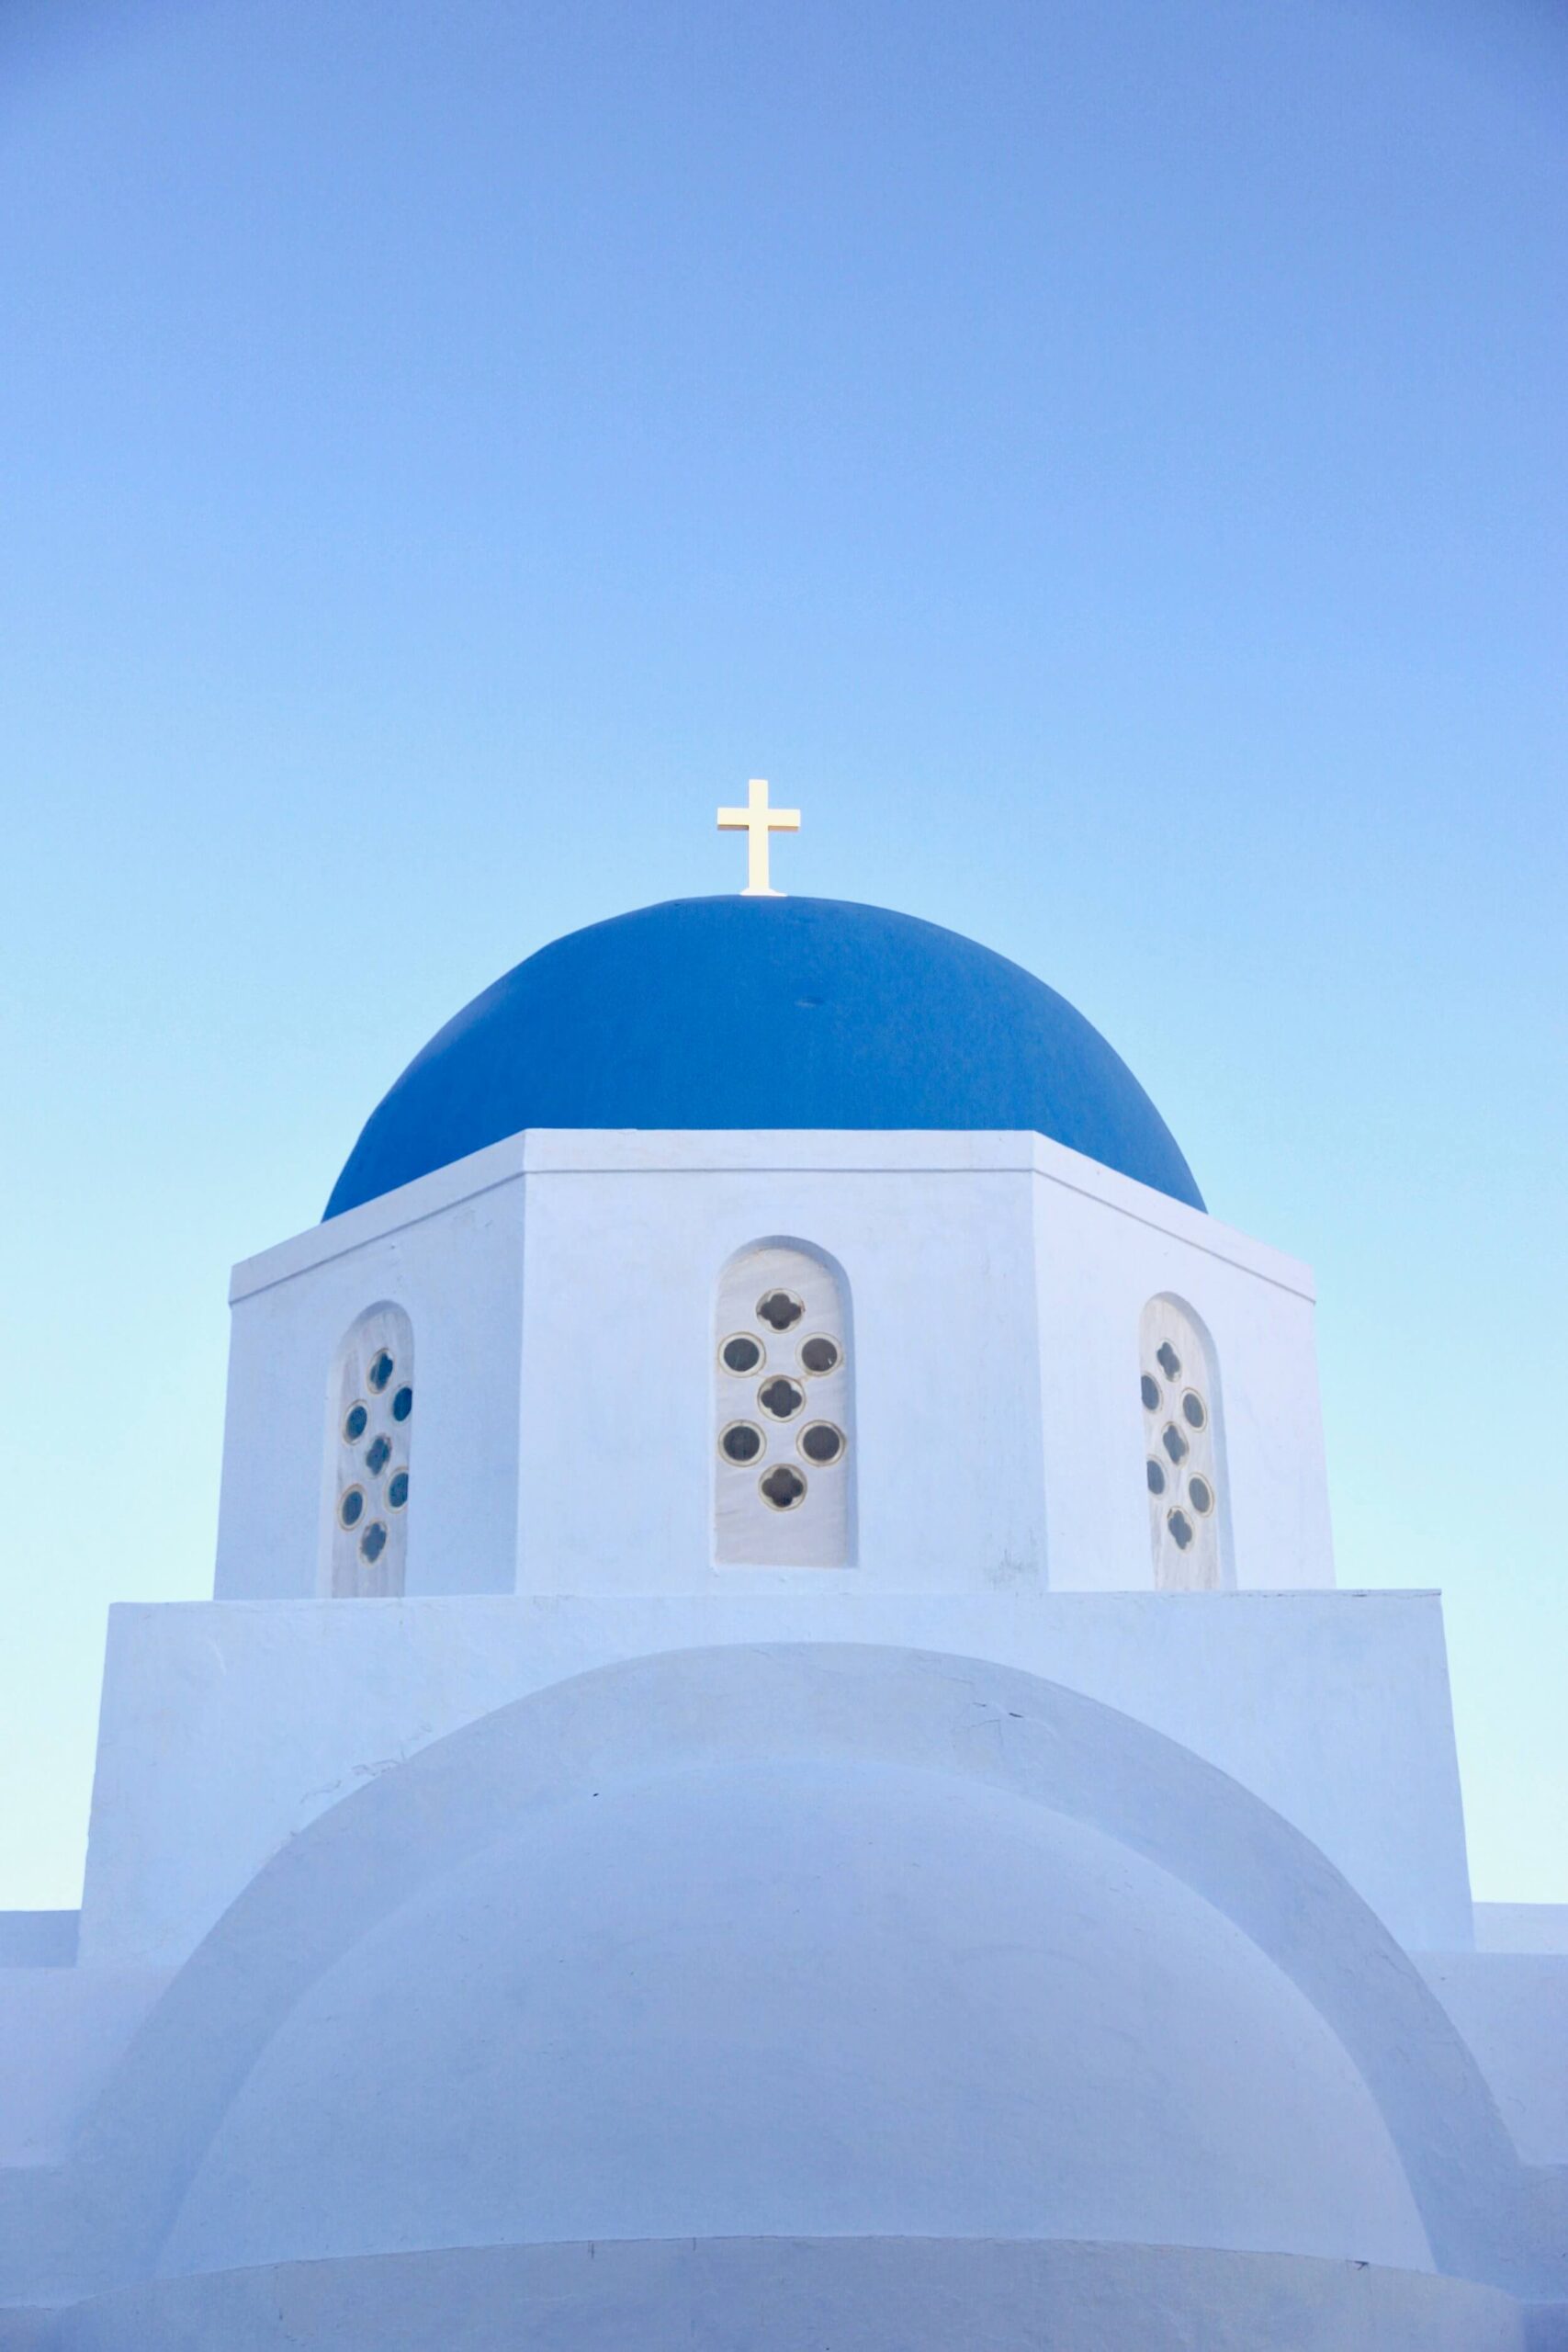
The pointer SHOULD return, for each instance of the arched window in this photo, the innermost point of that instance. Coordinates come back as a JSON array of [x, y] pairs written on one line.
[[783, 1411], [1182, 1454], [371, 1405]]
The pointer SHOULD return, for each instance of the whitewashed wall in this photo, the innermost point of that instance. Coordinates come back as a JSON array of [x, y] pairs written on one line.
[[561, 1292], [225, 1728]]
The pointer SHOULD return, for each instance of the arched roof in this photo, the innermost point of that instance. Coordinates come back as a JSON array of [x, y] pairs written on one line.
[[376, 1850]]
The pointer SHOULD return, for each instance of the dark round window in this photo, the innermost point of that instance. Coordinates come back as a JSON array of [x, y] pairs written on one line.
[[742, 1354], [821, 1441], [377, 1453], [403, 1405], [1181, 1528], [1167, 1360], [351, 1507], [1194, 1413], [1154, 1472], [355, 1423], [819, 1354], [741, 1442], [779, 1310], [782, 1488], [1175, 1445], [1148, 1388], [373, 1542], [1201, 1494], [397, 1490], [780, 1399], [381, 1370]]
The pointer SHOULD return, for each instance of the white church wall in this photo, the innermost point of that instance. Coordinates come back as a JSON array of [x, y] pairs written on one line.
[[1512, 2008], [61, 2030], [563, 1431], [225, 1728], [891, 2001], [450, 1259], [1105, 1248], [775, 2294], [627, 1238], [1521, 1927]]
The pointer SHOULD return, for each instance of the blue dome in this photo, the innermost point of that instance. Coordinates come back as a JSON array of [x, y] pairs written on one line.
[[762, 1012]]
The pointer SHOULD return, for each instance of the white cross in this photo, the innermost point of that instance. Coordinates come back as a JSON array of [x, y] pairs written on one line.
[[757, 821]]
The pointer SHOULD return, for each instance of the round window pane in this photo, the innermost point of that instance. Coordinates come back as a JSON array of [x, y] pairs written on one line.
[[377, 1453], [1167, 1360], [1148, 1388], [741, 1354], [1154, 1472], [741, 1442], [821, 1441], [782, 1488], [1181, 1529], [1194, 1413], [373, 1542], [351, 1507], [780, 1399], [819, 1354], [397, 1490], [403, 1405], [1175, 1445], [779, 1310], [1201, 1494], [355, 1421], [380, 1371]]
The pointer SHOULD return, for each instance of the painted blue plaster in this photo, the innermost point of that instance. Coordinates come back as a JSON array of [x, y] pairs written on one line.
[[763, 1012]]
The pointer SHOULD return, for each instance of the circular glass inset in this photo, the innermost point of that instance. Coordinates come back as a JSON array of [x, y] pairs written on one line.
[[380, 1371], [782, 1487], [1148, 1388], [351, 1507], [742, 1354], [780, 1399], [1194, 1413], [1201, 1494], [1167, 1360], [397, 1490], [779, 1310], [819, 1354], [373, 1542], [403, 1405], [1154, 1472], [741, 1442], [377, 1453], [355, 1421], [821, 1441], [1181, 1528], [1175, 1445]]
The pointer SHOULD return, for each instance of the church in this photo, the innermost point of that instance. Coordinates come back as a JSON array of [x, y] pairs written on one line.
[[775, 1762]]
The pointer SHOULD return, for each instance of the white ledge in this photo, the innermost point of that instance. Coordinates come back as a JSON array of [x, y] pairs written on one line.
[[542, 1153]]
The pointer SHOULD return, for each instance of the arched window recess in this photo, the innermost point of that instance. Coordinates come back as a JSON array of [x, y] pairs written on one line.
[[783, 1410], [1183, 1452], [370, 1427]]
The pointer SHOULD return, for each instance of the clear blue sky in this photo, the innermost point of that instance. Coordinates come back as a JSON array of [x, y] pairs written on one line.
[[1101, 458]]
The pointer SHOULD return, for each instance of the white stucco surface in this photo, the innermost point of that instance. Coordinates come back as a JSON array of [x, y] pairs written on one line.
[[796, 1999], [1522, 1927], [61, 2032], [929, 1934], [226, 1726], [562, 1291], [781, 2295], [1512, 2008], [760, 1933]]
